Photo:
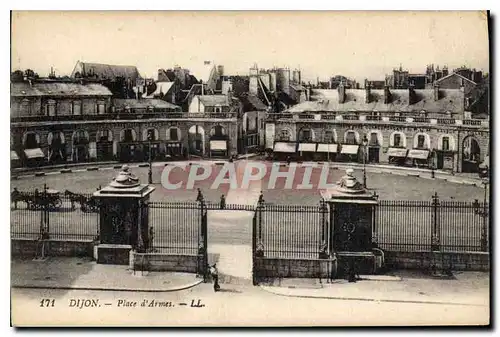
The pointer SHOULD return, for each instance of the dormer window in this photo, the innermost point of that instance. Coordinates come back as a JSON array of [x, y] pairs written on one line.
[[51, 107], [127, 109], [150, 109], [218, 108], [77, 108], [25, 107]]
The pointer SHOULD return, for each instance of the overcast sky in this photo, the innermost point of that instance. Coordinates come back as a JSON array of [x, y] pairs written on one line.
[[322, 44]]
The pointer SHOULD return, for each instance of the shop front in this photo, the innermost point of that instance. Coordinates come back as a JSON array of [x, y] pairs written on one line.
[[307, 151], [397, 156], [419, 158], [349, 153]]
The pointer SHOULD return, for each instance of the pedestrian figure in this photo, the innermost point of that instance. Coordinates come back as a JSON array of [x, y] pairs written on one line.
[[261, 198], [200, 196], [222, 202], [288, 160], [151, 237], [215, 276], [15, 196]]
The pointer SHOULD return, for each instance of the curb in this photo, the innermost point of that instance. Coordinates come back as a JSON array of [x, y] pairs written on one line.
[[152, 290], [39, 174], [93, 168], [370, 299], [66, 171]]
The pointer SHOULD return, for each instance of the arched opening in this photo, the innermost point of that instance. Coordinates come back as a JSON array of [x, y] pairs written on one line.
[[306, 135], [445, 153], [327, 149], [218, 141], [306, 146], [56, 147], [397, 151], [32, 153], [375, 142], [471, 155], [104, 144], [129, 146], [31, 140], [80, 148], [150, 144], [196, 140], [420, 154], [174, 143], [349, 150]]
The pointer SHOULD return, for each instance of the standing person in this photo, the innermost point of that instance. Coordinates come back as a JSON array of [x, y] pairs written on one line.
[[215, 276], [222, 202], [15, 197], [200, 196]]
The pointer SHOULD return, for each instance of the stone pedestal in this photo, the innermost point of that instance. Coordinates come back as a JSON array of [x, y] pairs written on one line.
[[124, 223], [352, 234]]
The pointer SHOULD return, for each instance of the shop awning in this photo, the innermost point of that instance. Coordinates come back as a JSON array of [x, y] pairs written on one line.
[[418, 154], [284, 147], [34, 153], [13, 155], [349, 149], [396, 152], [307, 147], [218, 145], [332, 148]]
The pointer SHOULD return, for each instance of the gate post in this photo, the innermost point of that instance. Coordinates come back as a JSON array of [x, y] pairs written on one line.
[[254, 249], [435, 239], [203, 241], [323, 249], [44, 214]]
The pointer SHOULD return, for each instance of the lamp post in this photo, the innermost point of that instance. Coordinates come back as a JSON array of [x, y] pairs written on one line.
[[365, 143], [150, 170]]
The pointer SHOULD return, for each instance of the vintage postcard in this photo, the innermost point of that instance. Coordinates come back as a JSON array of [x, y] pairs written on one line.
[[249, 168]]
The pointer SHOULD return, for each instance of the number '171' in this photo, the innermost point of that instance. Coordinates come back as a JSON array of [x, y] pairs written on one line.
[[47, 302]]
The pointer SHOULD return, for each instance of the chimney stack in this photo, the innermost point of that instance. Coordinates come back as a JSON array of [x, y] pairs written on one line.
[[387, 95], [367, 91], [436, 92], [411, 89], [341, 90]]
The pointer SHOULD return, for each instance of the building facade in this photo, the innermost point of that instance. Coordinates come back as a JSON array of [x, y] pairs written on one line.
[[412, 127]]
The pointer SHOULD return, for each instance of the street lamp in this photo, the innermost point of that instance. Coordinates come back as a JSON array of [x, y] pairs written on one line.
[[365, 143], [150, 170]]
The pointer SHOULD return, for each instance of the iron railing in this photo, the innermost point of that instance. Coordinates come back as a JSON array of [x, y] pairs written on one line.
[[44, 214]]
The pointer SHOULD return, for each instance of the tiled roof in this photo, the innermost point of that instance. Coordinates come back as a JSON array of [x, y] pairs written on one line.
[[143, 104], [161, 88], [57, 89], [454, 74], [108, 71], [213, 100], [252, 103], [328, 100]]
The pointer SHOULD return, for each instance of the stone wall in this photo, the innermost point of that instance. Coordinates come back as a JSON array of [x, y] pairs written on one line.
[[461, 261], [164, 262], [28, 248], [323, 268]]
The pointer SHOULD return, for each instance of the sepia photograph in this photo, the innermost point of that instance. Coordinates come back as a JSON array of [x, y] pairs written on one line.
[[250, 168]]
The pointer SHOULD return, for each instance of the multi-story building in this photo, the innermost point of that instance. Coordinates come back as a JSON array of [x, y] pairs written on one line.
[[421, 127]]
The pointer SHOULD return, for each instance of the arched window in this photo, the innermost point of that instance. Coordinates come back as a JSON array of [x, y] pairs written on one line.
[[77, 108], [329, 137], [350, 137], [25, 107], [284, 135], [256, 125]]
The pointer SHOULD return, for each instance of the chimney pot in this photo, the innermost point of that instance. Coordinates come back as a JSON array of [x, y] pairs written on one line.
[[387, 95], [341, 90], [367, 92], [436, 92]]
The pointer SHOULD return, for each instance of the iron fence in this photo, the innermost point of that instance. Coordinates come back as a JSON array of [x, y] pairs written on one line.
[[175, 227], [47, 214], [432, 225], [290, 231]]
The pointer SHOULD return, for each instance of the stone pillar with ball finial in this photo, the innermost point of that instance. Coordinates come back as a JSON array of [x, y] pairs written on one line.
[[352, 232], [124, 223]]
